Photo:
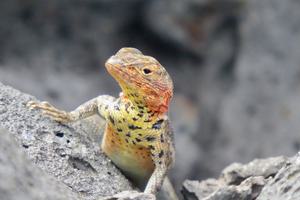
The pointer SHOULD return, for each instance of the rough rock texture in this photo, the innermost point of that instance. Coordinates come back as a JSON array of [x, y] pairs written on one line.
[[213, 190], [263, 179], [235, 173], [286, 184], [68, 153], [131, 195], [20, 179]]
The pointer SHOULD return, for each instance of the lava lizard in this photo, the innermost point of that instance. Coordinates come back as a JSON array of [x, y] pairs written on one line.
[[138, 137]]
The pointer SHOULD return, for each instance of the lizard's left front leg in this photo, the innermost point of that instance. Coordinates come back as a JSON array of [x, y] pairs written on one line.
[[99, 105], [163, 156], [156, 180]]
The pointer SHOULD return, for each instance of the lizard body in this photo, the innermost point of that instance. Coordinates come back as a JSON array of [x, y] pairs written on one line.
[[138, 138]]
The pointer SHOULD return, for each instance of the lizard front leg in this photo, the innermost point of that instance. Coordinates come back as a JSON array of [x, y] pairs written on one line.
[[159, 153], [99, 105], [163, 156], [156, 180]]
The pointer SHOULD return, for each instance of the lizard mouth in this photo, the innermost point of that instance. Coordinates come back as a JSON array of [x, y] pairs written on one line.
[[118, 72], [113, 66]]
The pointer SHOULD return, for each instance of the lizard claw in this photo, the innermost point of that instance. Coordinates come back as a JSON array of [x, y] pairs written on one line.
[[31, 104], [49, 110], [39, 105]]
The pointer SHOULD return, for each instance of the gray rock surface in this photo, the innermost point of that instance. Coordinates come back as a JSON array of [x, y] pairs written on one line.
[[20, 179], [67, 152], [285, 185], [251, 110], [245, 182], [235, 173], [131, 195], [248, 189]]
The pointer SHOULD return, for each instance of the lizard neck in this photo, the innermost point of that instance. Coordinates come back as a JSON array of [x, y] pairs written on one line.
[[153, 101], [151, 104]]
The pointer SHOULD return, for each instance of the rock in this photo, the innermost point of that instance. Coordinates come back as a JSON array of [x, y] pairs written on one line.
[[249, 107], [237, 181], [214, 190], [236, 173], [20, 179], [131, 195], [200, 190], [285, 185], [191, 25], [67, 152], [76, 30]]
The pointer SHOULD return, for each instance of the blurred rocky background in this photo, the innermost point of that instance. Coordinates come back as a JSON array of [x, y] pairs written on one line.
[[235, 65]]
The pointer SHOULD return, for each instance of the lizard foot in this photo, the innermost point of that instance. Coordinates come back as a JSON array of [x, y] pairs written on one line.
[[49, 110], [131, 195]]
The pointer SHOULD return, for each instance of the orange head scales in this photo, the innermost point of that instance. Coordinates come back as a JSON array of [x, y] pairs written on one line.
[[142, 78]]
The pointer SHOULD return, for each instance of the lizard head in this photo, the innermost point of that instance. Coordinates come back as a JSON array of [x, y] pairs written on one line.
[[142, 78]]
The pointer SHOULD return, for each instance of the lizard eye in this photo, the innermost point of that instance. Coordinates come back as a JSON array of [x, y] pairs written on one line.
[[147, 71]]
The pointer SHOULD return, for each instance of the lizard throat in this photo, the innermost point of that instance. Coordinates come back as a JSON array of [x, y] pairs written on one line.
[[152, 102], [159, 104]]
